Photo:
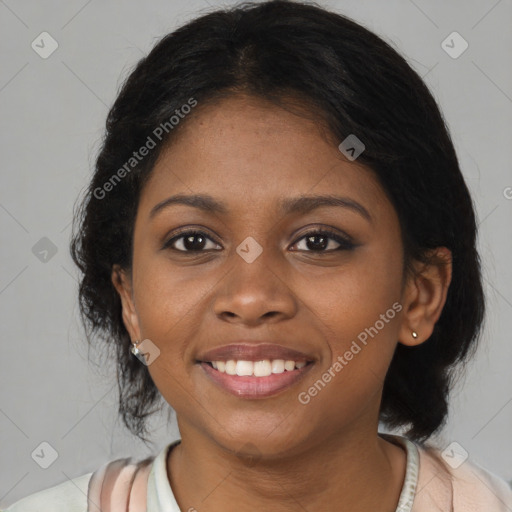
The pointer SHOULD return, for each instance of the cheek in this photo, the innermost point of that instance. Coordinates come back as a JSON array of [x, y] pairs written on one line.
[[167, 303], [356, 307], [167, 297]]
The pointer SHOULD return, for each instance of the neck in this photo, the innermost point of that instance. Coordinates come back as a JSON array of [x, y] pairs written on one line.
[[355, 471]]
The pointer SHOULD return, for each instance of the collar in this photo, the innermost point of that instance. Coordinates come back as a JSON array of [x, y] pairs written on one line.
[[160, 497], [406, 499]]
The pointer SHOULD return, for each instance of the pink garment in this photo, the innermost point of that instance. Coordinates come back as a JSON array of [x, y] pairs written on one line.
[[468, 488], [119, 486]]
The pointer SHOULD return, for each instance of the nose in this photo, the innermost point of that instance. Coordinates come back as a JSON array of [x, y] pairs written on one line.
[[254, 293]]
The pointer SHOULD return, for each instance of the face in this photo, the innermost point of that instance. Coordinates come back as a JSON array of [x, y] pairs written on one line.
[[258, 271]]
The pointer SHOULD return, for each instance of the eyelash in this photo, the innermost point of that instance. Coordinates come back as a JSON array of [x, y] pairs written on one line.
[[345, 243]]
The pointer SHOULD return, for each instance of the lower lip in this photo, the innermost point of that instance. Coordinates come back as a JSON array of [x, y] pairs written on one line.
[[255, 387]]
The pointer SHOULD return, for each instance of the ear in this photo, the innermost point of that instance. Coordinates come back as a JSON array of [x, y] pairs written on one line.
[[122, 283], [424, 297]]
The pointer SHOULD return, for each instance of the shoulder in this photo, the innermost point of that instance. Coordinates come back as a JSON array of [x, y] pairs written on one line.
[[119, 481], [476, 488], [69, 496], [469, 486]]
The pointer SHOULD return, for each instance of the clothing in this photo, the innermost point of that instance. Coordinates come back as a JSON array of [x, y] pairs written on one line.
[[426, 488]]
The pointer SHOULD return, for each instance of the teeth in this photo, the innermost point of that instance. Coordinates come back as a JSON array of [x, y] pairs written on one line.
[[262, 368], [289, 365], [244, 368], [231, 367], [277, 366]]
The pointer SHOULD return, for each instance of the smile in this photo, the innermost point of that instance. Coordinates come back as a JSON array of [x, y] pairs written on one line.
[[255, 379]]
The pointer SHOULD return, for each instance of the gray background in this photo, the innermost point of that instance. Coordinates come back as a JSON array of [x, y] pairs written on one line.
[[53, 112]]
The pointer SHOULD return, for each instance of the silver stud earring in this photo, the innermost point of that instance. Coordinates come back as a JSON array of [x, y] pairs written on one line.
[[414, 334], [134, 349]]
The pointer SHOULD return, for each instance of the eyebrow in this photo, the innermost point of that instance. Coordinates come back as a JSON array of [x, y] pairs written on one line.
[[302, 204]]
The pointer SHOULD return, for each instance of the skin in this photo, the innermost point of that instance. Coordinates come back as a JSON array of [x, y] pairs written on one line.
[[325, 455]]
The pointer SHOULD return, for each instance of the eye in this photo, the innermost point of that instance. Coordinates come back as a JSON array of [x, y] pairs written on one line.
[[189, 241], [321, 239], [314, 241]]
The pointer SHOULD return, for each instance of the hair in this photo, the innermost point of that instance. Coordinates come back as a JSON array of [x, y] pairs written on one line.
[[351, 81]]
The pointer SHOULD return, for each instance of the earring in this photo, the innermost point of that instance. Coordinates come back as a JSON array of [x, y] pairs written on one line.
[[414, 334], [134, 349]]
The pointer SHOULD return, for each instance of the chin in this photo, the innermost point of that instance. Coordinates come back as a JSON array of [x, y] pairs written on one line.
[[263, 439]]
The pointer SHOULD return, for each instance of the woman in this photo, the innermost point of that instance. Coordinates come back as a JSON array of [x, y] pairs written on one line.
[[278, 241]]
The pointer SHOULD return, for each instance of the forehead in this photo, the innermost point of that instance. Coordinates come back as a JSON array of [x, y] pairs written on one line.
[[248, 153]]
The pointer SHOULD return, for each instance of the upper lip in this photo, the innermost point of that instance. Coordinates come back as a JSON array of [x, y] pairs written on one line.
[[250, 352]]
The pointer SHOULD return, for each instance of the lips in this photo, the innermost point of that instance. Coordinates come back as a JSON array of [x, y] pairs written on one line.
[[250, 352], [255, 387], [231, 368]]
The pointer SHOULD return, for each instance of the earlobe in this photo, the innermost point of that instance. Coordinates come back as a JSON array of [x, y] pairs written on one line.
[[123, 285], [426, 296]]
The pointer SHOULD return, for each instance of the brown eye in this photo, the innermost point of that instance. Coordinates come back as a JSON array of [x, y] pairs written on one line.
[[190, 241], [320, 240]]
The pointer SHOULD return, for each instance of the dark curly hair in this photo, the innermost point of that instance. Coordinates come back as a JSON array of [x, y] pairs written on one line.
[[353, 82]]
